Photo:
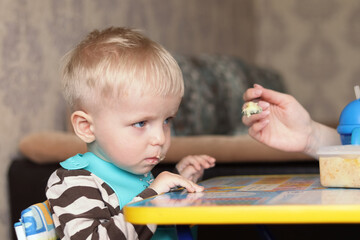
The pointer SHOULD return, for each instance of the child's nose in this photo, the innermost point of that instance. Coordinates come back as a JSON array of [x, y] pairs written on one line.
[[158, 137]]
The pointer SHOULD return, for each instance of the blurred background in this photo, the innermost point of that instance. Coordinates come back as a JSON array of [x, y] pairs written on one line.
[[315, 45]]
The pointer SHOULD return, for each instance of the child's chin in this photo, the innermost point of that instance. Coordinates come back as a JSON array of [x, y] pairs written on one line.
[[144, 170]]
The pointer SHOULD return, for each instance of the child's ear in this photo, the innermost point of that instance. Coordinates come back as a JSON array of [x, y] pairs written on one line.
[[83, 126]]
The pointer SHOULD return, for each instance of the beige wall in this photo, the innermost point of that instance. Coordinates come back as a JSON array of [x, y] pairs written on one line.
[[316, 46], [35, 34]]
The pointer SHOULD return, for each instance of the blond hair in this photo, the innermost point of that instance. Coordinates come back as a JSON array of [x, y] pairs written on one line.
[[112, 62]]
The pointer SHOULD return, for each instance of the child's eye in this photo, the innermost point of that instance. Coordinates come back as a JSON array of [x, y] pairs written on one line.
[[139, 124], [168, 120]]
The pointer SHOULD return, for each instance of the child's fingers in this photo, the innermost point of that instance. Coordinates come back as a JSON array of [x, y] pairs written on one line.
[[195, 162], [211, 161], [193, 187], [189, 185], [203, 162], [207, 161], [166, 180], [191, 173]]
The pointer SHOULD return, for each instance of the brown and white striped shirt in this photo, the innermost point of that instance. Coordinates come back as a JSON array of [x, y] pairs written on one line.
[[83, 206]]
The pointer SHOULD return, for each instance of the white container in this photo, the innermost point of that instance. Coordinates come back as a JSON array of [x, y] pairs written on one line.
[[340, 166]]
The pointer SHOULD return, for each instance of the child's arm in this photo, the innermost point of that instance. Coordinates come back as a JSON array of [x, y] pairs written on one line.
[[285, 124], [84, 207], [166, 181], [192, 167]]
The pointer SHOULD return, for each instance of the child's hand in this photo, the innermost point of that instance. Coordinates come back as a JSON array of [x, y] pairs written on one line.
[[166, 180], [192, 167]]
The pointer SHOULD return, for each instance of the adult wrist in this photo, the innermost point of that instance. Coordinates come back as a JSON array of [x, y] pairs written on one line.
[[321, 135], [313, 139]]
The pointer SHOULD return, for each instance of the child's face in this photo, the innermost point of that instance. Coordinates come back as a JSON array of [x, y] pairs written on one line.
[[134, 132]]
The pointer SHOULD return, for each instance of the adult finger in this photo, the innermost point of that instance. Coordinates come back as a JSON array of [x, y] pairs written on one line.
[[256, 128], [252, 93]]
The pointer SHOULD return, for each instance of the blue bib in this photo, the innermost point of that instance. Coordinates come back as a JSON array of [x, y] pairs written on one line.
[[126, 185]]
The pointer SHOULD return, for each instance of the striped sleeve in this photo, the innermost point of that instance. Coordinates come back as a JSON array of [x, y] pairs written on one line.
[[85, 207]]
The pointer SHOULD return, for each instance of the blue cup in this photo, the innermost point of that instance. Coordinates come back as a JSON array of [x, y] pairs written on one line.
[[349, 124]]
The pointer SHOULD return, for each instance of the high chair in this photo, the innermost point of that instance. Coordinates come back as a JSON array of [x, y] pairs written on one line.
[[36, 223]]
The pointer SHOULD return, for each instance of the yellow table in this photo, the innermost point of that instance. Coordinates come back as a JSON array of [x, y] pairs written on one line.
[[266, 199]]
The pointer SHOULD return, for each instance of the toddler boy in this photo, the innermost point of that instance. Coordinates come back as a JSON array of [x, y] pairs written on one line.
[[123, 90]]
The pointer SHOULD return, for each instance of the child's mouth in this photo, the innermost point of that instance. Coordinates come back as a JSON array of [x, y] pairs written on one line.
[[153, 160]]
